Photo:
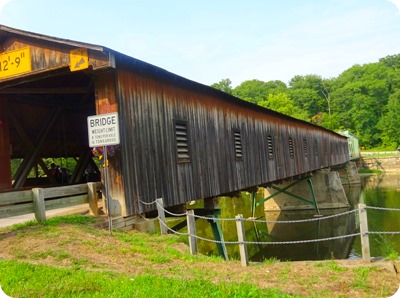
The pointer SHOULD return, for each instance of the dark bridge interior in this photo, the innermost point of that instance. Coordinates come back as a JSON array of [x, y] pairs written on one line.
[[47, 119]]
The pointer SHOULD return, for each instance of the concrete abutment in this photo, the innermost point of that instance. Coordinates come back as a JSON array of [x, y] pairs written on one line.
[[326, 186]]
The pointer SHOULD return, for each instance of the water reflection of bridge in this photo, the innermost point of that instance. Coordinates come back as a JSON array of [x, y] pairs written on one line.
[[308, 230]]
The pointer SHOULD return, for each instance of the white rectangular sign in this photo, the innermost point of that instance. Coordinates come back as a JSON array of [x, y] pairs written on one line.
[[103, 130]]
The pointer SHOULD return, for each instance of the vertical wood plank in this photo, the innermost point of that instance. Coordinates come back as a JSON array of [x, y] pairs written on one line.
[[362, 211], [38, 204], [242, 239], [191, 223], [5, 161], [161, 216]]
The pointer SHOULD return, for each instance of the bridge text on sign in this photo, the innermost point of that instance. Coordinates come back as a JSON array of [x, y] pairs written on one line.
[[103, 130]]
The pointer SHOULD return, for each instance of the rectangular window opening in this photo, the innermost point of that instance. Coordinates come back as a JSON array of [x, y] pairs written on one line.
[[182, 141], [238, 144], [270, 147], [291, 148], [305, 147], [316, 148]]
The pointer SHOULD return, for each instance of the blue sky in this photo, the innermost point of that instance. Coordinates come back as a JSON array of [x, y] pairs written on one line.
[[207, 41]]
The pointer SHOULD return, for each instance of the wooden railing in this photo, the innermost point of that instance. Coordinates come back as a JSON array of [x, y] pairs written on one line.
[[38, 200]]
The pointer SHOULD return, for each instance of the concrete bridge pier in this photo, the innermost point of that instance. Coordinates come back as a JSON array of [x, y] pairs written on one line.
[[322, 190], [349, 174]]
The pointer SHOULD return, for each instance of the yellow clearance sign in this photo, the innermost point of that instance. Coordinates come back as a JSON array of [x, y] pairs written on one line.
[[15, 62], [78, 59]]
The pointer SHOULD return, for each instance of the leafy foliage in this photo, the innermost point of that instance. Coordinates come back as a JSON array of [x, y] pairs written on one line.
[[364, 99]]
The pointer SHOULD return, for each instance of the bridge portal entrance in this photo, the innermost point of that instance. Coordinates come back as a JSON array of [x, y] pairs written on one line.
[[43, 122]]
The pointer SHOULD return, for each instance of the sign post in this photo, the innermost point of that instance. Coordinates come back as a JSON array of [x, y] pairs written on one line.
[[103, 131]]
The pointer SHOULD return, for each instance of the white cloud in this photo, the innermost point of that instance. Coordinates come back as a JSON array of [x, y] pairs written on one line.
[[3, 3], [397, 3]]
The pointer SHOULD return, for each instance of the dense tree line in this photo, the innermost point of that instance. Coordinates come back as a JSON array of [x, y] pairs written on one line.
[[364, 99]]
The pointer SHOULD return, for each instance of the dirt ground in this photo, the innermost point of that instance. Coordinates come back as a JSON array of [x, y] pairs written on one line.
[[91, 247]]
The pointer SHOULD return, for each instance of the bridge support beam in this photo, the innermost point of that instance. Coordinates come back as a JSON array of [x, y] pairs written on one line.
[[326, 186], [212, 205], [5, 161]]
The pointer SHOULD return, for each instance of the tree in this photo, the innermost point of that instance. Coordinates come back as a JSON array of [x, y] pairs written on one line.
[[256, 90], [390, 121], [309, 94], [359, 95], [224, 85], [392, 61], [281, 103]]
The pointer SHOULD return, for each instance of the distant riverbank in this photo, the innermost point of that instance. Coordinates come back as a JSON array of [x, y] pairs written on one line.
[[381, 162]]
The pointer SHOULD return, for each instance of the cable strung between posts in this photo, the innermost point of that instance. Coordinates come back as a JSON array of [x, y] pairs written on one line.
[[172, 230], [305, 241], [214, 241], [170, 213], [145, 203], [382, 208], [277, 242], [148, 219], [280, 221], [383, 232]]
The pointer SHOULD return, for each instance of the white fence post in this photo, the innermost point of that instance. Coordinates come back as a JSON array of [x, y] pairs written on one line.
[[161, 216], [191, 224], [242, 239], [362, 211], [38, 204]]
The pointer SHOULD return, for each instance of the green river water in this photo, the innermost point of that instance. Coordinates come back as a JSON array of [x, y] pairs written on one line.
[[377, 191]]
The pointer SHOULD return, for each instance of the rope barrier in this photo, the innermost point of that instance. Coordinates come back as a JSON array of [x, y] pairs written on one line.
[[382, 208], [147, 219], [279, 221], [146, 203], [305, 241], [169, 212], [214, 241], [275, 242], [173, 231], [305, 220], [270, 221], [384, 232]]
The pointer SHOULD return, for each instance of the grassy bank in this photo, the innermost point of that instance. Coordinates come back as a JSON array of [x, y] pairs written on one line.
[[75, 256]]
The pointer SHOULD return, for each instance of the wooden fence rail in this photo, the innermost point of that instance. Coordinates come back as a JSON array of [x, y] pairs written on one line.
[[38, 200]]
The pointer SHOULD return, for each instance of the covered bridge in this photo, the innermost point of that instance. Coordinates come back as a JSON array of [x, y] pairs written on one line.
[[180, 140]]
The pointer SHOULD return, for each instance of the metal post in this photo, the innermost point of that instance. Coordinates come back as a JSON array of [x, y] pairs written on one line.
[[242, 239], [161, 216], [191, 223], [106, 180], [362, 211]]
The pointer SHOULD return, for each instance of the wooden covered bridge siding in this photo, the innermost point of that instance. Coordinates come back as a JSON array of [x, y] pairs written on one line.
[[156, 108], [180, 140]]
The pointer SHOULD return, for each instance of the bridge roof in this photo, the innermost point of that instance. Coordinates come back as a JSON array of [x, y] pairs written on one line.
[[55, 78]]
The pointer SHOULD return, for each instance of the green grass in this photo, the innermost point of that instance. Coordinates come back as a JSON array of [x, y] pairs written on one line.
[[88, 265], [270, 261], [20, 279], [361, 281], [76, 219], [369, 171], [329, 266]]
